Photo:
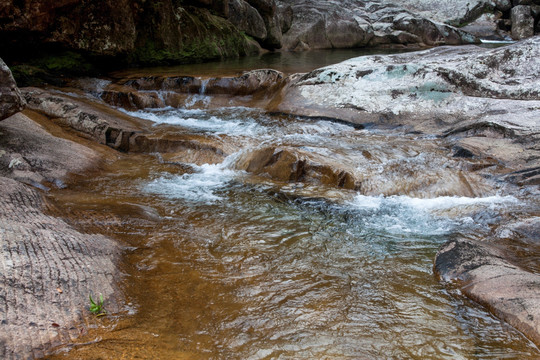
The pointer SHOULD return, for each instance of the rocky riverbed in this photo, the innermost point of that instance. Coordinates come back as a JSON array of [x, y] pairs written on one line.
[[481, 104]]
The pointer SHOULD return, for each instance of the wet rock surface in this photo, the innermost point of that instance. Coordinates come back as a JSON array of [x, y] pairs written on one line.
[[47, 268], [369, 176], [486, 104], [483, 104], [451, 92], [159, 91], [483, 273]]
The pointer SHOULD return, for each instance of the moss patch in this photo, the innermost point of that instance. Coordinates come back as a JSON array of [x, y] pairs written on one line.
[[201, 36]]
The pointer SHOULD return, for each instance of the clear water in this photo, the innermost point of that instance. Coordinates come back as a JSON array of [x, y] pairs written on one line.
[[225, 264]]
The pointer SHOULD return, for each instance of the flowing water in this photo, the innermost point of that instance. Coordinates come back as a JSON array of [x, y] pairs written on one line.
[[224, 262]]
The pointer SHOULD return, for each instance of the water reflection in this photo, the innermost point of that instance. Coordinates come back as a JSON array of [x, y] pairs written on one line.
[[287, 62]]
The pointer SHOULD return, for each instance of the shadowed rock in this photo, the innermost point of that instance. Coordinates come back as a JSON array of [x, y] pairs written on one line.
[[11, 101]]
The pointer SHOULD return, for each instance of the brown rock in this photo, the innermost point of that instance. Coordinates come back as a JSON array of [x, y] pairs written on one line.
[[46, 253], [290, 164], [483, 274]]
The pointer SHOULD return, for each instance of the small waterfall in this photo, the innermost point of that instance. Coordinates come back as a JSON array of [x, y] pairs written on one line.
[[201, 98], [204, 83]]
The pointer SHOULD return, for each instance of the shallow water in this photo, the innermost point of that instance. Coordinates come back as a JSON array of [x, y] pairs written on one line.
[[221, 263], [288, 62]]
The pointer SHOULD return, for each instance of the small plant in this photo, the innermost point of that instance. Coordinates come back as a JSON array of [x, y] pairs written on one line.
[[97, 308]]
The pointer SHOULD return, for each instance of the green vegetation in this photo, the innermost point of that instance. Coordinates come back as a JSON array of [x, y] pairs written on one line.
[[66, 62], [203, 37], [97, 308], [51, 68]]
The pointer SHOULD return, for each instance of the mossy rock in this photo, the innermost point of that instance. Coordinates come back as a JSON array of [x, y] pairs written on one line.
[[201, 36], [52, 68], [67, 62]]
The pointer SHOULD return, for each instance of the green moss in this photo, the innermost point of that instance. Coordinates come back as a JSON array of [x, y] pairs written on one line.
[[67, 62], [51, 68], [202, 37]]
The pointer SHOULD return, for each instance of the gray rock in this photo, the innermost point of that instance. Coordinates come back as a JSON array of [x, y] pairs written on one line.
[[522, 22], [47, 268], [286, 15], [521, 2], [535, 10], [488, 26], [11, 101], [455, 12], [272, 22], [503, 5], [454, 92], [354, 23], [247, 19]]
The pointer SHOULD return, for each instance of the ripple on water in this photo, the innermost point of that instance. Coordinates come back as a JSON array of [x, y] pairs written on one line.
[[246, 267]]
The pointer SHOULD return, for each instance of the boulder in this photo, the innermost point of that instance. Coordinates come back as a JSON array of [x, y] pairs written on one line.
[[454, 12], [488, 26], [503, 5], [354, 23], [272, 21], [286, 15], [522, 22], [11, 100], [246, 18], [290, 164]]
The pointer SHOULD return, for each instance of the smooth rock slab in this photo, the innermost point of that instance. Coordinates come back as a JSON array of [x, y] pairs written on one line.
[[482, 273], [47, 271]]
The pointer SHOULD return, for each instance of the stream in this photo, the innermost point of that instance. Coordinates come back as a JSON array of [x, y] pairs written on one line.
[[227, 258]]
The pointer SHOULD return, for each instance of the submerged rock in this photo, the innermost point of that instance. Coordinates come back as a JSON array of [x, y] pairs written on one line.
[[377, 171], [11, 101], [484, 104]]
